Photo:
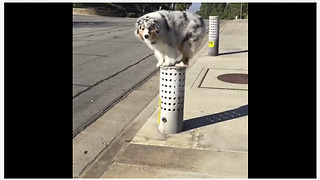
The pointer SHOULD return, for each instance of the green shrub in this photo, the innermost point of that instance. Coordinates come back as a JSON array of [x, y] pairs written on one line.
[[132, 15], [121, 9], [77, 5]]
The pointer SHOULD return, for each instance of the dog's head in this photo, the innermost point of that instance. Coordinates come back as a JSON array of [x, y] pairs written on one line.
[[147, 29]]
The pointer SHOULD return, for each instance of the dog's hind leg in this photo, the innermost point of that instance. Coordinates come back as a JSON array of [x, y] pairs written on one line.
[[185, 50]]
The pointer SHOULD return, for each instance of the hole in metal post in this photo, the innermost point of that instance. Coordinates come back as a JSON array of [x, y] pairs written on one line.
[[164, 120]]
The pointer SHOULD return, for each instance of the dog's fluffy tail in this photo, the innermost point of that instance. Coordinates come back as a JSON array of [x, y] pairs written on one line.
[[199, 33], [195, 45]]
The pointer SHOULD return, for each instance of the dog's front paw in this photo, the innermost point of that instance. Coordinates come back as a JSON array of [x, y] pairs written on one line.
[[167, 64], [159, 64]]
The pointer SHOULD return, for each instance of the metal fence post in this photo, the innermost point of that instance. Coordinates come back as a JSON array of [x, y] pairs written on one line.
[[214, 24], [171, 100]]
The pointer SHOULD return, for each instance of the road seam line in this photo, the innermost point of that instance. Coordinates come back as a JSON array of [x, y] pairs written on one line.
[[81, 85], [115, 74]]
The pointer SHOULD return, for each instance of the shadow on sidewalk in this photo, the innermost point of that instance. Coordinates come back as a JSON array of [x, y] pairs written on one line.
[[235, 52], [215, 118]]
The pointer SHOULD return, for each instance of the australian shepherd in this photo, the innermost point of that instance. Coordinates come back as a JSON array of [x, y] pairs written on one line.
[[171, 33]]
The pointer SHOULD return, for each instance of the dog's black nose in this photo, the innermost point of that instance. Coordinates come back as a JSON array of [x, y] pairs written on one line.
[[146, 36]]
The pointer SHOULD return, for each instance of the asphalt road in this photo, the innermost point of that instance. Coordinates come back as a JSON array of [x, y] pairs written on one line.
[[108, 63]]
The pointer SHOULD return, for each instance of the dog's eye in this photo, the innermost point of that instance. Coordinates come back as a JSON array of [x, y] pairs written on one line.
[[142, 29]]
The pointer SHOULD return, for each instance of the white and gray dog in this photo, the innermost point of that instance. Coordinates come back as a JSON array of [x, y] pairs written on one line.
[[171, 32]]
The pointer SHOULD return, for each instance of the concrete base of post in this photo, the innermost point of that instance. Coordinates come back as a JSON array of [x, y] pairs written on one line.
[[171, 100]]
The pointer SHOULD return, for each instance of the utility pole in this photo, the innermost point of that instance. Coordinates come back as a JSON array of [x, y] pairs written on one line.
[[240, 10]]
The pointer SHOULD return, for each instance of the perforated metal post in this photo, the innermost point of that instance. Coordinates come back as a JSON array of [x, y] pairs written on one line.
[[171, 100], [214, 24]]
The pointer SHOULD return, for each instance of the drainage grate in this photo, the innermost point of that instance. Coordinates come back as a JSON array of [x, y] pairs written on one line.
[[233, 79], [236, 78]]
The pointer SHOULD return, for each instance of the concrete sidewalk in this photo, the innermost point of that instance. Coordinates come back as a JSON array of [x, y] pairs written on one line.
[[214, 140]]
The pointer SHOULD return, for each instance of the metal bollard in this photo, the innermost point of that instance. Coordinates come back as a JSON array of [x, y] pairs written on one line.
[[171, 100], [214, 24]]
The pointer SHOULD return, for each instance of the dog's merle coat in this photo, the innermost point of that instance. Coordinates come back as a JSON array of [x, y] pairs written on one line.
[[171, 32]]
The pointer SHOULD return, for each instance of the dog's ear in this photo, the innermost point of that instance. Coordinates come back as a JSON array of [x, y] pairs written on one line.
[[138, 26], [156, 26]]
